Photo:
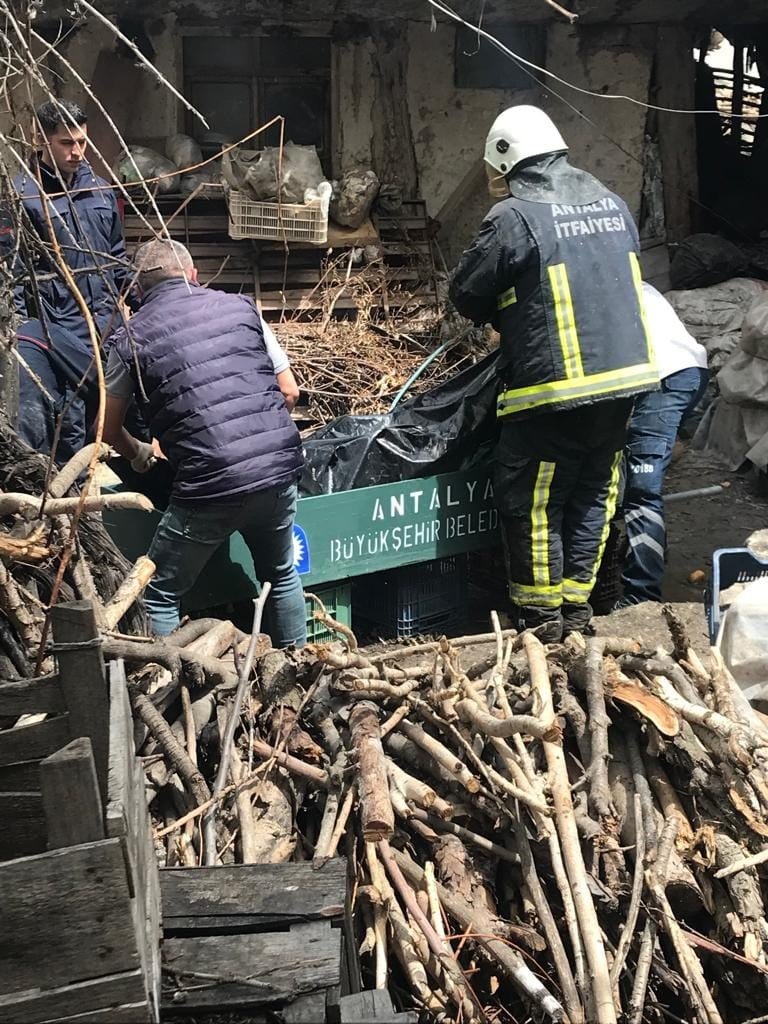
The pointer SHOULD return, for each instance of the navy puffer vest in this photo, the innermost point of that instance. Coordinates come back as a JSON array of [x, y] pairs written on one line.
[[214, 404]]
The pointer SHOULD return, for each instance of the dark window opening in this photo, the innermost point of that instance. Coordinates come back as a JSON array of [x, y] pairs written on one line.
[[239, 84]]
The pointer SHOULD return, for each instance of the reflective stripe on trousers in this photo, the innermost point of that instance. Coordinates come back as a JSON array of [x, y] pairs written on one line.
[[556, 481]]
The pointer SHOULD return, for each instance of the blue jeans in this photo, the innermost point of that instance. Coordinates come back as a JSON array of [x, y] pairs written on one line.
[[652, 431], [187, 536]]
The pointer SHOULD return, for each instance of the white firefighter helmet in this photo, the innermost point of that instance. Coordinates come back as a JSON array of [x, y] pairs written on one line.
[[518, 134]]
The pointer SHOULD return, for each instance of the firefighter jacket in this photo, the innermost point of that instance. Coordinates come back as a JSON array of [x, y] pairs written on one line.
[[561, 283]]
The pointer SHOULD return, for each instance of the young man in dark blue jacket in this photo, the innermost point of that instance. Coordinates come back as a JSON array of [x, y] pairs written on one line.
[[214, 405], [59, 191], [555, 269]]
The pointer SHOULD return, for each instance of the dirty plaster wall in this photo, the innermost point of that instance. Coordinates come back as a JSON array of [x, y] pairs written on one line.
[[449, 125], [142, 109]]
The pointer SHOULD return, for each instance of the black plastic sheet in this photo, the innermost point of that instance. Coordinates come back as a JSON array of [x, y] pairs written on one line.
[[450, 428]]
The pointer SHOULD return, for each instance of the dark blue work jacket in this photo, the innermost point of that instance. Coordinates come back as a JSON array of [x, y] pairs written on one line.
[[86, 223]]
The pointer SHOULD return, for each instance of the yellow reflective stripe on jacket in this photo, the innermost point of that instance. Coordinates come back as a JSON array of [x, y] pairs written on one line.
[[507, 298], [591, 386], [540, 524], [566, 321], [544, 597], [637, 280]]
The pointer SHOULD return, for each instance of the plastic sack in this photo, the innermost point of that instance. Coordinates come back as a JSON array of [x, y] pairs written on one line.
[[744, 640], [256, 173], [715, 315], [744, 380], [451, 427], [353, 197], [190, 182], [183, 151], [754, 333], [150, 164], [702, 260]]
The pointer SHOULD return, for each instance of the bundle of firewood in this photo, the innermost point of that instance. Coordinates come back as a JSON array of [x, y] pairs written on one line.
[[565, 833], [53, 547]]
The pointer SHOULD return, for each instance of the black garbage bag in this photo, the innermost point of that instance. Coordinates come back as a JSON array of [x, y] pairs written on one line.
[[449, 428], [702, 260]]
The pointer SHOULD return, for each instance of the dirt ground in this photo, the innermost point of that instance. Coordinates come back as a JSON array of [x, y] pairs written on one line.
[[696, 528]]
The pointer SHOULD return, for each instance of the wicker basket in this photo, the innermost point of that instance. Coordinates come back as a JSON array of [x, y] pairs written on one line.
[[278, 222]]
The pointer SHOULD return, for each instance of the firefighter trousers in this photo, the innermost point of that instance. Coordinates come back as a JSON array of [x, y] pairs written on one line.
[[556, 482]]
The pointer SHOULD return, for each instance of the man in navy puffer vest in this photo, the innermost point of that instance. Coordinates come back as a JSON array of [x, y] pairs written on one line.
[[199, 359]]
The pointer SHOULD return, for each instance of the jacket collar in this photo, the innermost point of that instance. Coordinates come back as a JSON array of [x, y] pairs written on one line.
[[83, 177], [172, 286]]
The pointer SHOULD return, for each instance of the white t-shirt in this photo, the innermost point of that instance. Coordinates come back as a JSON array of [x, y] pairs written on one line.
[[676, 349]]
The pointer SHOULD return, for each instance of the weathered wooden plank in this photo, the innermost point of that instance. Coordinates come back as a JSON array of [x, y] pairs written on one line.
[[26, 742], [103, 995], [120, 752], [71, 799], [28, 696], [69, 910], [259, 895], [21, 777], [285, 965], [295, 277], [127, 817], [374, 1006], [83, 679], [132, 1013], [22, 827], [309, 1009]]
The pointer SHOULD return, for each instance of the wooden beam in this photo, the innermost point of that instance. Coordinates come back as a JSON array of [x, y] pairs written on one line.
[[77, 1001], [71, 799], [28, 742], [83, 679], [66, 917], [28, 696]]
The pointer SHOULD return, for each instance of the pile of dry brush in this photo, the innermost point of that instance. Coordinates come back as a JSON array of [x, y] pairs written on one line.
[[552, 833]]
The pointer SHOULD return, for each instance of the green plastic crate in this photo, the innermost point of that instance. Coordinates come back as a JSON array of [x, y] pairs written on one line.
[[337, 598]]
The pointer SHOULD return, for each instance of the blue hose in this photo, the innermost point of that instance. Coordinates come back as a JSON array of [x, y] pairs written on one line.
[[418, 372]]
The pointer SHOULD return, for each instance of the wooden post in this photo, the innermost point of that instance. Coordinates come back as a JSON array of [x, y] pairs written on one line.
[[83, 680], [71, 800], [737, 99]]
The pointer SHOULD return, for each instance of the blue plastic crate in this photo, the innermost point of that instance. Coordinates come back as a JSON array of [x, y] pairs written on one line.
[[421, 599], [729, 566]]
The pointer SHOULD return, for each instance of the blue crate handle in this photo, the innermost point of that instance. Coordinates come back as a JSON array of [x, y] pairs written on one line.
[[729, 566]]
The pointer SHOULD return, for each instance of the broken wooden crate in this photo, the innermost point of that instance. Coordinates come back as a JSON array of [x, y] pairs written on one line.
[[264, 937], [79, 886]]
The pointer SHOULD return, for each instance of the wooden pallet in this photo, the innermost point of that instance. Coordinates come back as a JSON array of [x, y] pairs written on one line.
[[295, 285], [79, 887], [271, 929]]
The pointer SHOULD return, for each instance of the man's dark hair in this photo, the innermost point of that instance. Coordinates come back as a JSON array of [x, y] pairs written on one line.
[[55, 112]]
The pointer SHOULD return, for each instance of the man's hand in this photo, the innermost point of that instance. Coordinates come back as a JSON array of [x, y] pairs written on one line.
[[144, 458]]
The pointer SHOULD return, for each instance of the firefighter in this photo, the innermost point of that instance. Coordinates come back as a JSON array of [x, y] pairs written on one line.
[[555, 269]]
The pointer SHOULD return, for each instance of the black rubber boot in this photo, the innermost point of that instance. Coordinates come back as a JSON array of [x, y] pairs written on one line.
[[547, 623], [577, 618]]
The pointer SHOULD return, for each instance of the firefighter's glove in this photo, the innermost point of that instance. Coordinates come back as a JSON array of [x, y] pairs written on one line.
[[144, 458]]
